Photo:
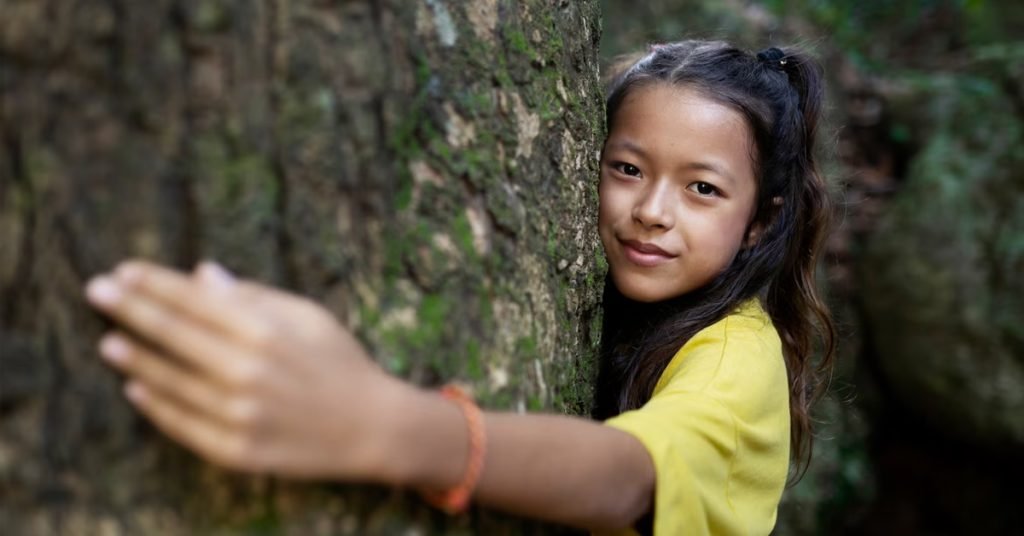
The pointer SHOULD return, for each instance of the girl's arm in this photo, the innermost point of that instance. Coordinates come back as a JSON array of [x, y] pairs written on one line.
[[260, 380], [553, 467]]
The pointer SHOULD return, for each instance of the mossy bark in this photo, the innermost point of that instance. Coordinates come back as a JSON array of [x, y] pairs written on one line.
[[427, 169]]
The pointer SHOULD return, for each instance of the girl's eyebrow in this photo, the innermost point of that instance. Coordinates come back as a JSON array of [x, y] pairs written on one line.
[[708, 166], [631, 146]]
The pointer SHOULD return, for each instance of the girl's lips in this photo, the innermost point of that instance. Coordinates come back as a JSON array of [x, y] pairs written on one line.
[[642, 258]]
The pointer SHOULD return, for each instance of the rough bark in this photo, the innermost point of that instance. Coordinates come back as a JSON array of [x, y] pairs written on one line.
[[425, 168]]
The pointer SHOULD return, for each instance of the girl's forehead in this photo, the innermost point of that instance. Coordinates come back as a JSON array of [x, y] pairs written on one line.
[[679, 103], [681, 123]]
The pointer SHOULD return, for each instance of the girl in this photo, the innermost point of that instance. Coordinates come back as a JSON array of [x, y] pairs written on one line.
[[712, 215]]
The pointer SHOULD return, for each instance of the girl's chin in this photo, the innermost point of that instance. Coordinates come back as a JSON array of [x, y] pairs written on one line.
[[646, 290]]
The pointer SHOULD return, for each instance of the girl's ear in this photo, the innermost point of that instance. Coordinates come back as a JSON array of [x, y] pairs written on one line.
[[756, 228], [753, 234]]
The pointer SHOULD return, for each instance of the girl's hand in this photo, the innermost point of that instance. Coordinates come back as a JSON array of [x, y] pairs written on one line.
[[248, 377]]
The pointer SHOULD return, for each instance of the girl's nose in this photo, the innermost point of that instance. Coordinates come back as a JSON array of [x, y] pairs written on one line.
[[652, 208]]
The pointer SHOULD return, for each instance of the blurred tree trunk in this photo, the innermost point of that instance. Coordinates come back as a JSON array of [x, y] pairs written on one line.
[[425, 168]]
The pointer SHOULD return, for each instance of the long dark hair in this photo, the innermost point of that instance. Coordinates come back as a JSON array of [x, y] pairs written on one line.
[[779, 93]]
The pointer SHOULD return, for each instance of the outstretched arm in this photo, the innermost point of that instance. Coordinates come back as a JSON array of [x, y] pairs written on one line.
[[554, 467], [260, 380]]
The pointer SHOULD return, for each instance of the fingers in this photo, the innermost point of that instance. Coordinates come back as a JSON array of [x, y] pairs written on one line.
[[212, 299], [291, 312], [162, 374], [208, 439], [206, 396], [194, 343]]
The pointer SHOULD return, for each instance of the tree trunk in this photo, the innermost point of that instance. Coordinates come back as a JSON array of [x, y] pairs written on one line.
[[426, 168]]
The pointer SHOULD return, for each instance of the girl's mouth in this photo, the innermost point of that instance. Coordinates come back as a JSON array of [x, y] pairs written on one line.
[[646, 255]]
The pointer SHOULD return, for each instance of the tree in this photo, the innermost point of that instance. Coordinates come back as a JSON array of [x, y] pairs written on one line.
[[425, 168]]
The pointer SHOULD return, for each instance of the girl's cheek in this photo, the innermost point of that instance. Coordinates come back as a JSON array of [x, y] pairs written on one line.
[[604, 201], [608, 213], [730, 233], [612, 196]]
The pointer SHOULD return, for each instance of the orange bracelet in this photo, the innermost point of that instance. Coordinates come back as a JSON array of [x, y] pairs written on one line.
[[456, 499]]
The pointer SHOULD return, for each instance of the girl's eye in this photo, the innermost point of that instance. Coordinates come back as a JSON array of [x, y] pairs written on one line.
[[627, 169], [704, 188]]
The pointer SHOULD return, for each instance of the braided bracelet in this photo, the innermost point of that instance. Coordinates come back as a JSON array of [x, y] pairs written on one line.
[[456, 499]]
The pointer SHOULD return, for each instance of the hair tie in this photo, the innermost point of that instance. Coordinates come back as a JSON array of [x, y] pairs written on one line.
[[773, 57]]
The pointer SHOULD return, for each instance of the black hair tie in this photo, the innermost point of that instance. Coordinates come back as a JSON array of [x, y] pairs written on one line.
[[773, 58]]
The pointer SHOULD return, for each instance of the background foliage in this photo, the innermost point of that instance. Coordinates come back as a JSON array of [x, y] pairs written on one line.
[[922, 431]]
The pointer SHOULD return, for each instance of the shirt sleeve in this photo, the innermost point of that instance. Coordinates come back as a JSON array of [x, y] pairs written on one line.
[[691, 438]]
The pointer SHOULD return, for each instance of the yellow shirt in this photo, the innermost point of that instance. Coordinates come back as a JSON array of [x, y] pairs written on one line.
[[717, 429]]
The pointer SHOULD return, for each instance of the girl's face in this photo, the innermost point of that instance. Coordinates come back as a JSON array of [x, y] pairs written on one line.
[[677, 191]]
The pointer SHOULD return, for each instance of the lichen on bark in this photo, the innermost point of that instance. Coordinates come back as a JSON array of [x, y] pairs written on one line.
[[424, 168]]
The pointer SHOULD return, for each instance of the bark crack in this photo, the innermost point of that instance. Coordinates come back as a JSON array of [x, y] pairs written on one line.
[[277, 67], [26, 248]]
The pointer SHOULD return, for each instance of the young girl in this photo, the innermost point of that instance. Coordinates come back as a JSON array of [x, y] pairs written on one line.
[[712, 214]]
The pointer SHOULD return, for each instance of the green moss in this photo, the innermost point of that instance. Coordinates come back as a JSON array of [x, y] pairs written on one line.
[[210, 16], [471, 356], [433, 311], [369, 316], [595, 330], [428, 341], [307, 108], [479, 166], [237, 178], [517, 40], [42, 167], [440, 149], [253, 172], [398, 364], [544, 96], [400, 248], [403, 197], [464, 236], [394, 253], [534, 403], [503, 399], [526, 346], [561, 307], [575, 389], [600, 261], [485, 309], [552, 246], [478, 101], [553, 44], [501, 74], [265, 525], [169, 49], [403, 140]]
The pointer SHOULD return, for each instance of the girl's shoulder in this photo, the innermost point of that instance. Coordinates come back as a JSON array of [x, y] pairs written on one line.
[[742, 349], [750, 318]]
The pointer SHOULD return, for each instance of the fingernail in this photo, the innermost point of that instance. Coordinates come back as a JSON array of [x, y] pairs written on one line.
[[129, 273], [103, 291], [134, 391], [114, 349], [215, 275]]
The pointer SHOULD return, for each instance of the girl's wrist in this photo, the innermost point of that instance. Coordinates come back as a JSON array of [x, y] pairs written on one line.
[[455, 499], [423, 440]]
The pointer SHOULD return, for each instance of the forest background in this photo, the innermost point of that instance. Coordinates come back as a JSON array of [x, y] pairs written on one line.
[[427, 169]]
